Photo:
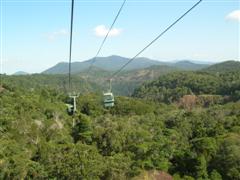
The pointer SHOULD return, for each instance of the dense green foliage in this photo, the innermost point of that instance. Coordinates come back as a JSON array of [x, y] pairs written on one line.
[[39, 140], [186, 124], [171, 87], [57, 82]]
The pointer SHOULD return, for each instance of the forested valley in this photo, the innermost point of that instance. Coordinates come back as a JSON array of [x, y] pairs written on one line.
[[174, 125]]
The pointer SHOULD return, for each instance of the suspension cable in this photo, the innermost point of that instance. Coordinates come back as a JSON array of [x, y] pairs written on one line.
[[154, 40], [70, 49], [105, 38]]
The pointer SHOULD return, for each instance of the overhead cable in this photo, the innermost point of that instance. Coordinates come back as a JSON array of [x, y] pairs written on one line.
[[105, 38], [70, 48], [154, 40]]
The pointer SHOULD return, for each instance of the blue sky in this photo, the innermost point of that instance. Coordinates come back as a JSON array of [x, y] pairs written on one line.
[[35, 33]]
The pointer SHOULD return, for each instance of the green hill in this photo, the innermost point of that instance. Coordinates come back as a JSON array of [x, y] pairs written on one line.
[[171, 87], [227, 66], [123, 84], [56, 82], [126, 82], [95, 81]]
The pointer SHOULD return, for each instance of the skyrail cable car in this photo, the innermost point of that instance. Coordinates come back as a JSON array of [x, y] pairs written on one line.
[[108, 97]]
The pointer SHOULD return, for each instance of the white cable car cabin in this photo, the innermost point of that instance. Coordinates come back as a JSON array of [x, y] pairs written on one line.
[[108, 99]]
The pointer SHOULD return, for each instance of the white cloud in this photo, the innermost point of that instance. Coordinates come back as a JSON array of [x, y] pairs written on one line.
[[55, 35], [102, 31], [234, 16]]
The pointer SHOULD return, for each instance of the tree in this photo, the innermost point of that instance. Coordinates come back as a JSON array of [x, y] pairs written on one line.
[[82, 130], [228, 157], [74, 161]]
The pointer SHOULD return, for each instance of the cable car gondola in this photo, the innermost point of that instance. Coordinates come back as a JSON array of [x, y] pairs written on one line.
[[108, 97]]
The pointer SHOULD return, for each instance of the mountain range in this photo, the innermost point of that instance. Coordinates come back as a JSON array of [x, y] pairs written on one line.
[[127, 81], [113, 63], [20, 73]]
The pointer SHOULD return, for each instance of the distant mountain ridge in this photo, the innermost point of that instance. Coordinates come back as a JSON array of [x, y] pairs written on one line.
[[112, 63], [129, 80], [20, 73], [188, 65]]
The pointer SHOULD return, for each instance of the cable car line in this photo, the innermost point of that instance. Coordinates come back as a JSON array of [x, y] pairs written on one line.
[[105, 38], [154, 40], [71, 107], [70, 48], [108, 96]]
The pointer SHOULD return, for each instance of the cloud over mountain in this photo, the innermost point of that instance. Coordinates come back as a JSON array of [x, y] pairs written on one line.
[[57, 34], [102, 30]]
